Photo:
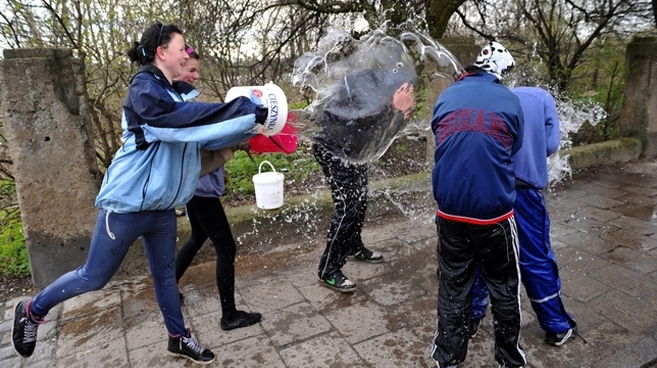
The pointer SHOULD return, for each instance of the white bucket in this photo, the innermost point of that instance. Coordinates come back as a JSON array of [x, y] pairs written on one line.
[[268, 188], [270, 96]]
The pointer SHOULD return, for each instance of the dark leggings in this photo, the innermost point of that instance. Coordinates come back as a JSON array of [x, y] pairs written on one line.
[[208, 220]]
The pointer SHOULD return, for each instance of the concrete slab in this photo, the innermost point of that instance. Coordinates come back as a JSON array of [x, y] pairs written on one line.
[[329, 350]]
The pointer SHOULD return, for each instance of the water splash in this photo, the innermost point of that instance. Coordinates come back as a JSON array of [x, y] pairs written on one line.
[[572, 115], [354, 81], [434, 69]]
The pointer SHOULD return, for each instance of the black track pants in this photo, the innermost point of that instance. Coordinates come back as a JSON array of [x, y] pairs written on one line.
[[348, 184], [495, 247]]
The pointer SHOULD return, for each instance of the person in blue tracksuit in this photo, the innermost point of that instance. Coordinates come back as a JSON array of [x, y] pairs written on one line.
[[538, 264], [478, 126], [156, 169]]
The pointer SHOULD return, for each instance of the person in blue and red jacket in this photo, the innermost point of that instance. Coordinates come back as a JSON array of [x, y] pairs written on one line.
[[156, 169], [478, 126]]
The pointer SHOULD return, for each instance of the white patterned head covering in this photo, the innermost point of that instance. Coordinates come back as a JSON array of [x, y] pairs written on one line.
[[495, 59]]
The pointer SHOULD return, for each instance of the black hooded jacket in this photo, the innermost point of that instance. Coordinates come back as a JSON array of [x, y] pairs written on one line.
[[358, 120]]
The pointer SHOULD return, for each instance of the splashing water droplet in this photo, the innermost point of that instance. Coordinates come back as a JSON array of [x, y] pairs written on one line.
[[354, 83]]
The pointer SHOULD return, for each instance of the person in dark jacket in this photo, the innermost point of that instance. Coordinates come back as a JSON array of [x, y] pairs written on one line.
[[359, 121], [478, 126], [538, 264], [155, 170], [207, 219]]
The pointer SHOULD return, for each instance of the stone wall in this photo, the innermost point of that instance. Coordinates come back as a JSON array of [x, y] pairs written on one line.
[[51, 143], [639, 115]]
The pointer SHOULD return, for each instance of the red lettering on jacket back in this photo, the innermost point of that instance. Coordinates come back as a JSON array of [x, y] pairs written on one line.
[[461, 121]]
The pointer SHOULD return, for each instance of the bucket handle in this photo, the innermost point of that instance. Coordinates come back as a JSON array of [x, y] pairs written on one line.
[[268, 163]]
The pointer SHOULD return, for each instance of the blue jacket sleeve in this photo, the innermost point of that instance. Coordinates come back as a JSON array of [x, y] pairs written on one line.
[[159, 114], [202, 122], [552, 126]]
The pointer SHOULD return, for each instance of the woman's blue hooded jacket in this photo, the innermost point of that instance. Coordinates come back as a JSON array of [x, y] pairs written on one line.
[[157, 167]]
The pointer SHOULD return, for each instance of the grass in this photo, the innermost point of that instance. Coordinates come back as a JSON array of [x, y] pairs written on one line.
[[13, 253], [240, 170]]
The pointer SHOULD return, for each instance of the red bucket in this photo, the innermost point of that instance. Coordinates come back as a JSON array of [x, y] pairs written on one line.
[[285, 141]]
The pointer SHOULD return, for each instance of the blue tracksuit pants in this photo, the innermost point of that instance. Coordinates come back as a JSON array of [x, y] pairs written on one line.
[[538, 265]]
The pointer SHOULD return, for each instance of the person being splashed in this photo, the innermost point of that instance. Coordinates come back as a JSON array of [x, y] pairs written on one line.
[[351, 130], [360, 120], [359, 116]]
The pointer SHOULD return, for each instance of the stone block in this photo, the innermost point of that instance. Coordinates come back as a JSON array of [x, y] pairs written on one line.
[[295, 323], [604, 153], [639, 112], [51, 143], [353, 328], [408, 350]]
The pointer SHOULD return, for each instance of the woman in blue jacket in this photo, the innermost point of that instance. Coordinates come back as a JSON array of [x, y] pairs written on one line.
[[155, 170]]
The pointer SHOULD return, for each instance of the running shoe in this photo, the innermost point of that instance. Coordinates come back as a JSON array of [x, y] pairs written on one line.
[[337, 281]]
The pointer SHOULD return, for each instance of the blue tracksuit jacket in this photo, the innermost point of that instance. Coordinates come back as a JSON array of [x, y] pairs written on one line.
[[540, 140], [478, 126]]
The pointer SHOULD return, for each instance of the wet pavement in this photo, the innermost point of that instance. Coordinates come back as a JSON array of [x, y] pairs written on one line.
[[604, 232]]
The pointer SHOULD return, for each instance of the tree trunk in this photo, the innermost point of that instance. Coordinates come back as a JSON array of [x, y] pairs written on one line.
[[439, 13]]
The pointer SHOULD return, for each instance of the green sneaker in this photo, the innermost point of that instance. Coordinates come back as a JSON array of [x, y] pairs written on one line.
[[366, 255], [337, 281]]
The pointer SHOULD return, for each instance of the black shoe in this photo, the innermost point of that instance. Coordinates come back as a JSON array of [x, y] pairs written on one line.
[[24, 330], [368, 256], [244, 319], [474, 326], [188, 347], [337, 281], [558, 339]]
